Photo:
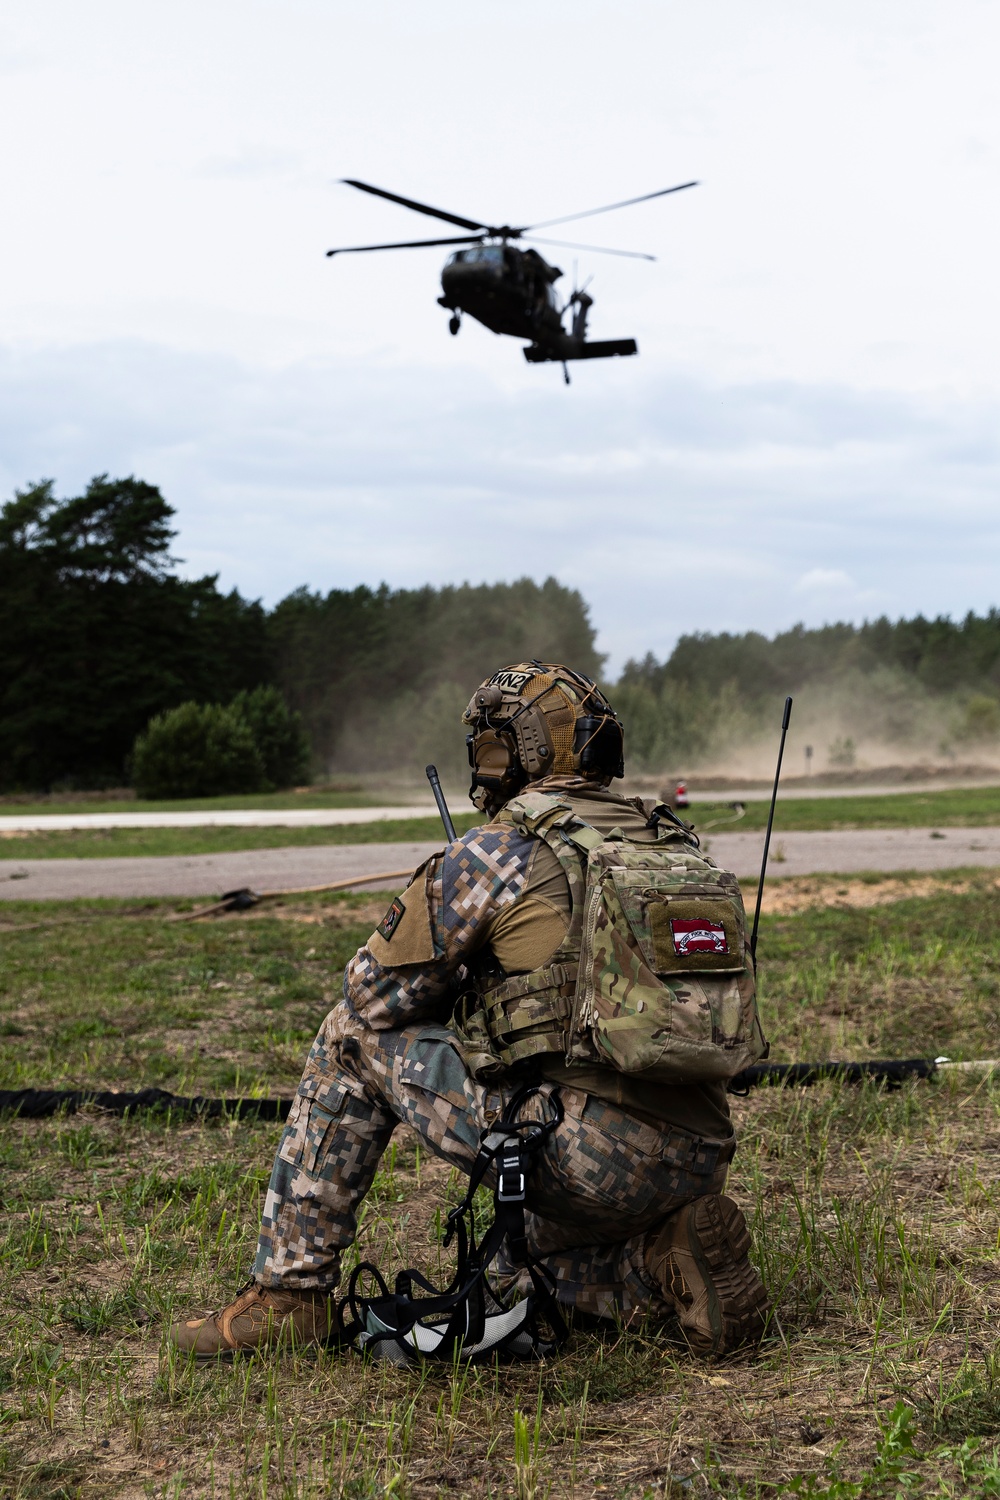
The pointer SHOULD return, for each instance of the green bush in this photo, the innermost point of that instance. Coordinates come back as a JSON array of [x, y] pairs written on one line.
[[842, 752], [197, 750], [278, 733], [981, 720]]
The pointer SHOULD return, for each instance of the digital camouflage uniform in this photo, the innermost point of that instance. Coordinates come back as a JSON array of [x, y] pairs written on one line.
[[625, 1155]]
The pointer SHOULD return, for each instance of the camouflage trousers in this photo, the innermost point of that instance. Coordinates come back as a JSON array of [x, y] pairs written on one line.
[[602, 1180]]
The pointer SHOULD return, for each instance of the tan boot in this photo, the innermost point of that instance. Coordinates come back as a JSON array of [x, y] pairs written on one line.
[[699, 1258], [260, 1318]]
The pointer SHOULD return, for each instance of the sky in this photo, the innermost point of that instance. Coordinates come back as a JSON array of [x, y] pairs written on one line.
[[810, 431]]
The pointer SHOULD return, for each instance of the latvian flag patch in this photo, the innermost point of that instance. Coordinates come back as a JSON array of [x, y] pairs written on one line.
[[694, 935]]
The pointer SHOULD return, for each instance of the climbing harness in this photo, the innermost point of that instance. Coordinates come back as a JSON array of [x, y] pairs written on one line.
[[470, 1318]]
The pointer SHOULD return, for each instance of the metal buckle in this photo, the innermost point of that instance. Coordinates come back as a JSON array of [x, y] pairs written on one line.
[[503, 1196], [510, 1164]]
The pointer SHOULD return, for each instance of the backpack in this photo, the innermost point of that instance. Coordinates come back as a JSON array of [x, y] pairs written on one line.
[[653, 978]]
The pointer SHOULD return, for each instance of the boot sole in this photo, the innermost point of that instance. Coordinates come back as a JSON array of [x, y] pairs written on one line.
[[278, 1346], [266, 1351], [719, 1241]]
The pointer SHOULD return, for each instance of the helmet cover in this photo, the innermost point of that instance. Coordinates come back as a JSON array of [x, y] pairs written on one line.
[[536, 719]]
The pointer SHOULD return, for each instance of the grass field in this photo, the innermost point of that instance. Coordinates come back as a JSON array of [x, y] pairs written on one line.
[[876, 1219], [337, 794], [945, 809], [102, 843], [955, 807]]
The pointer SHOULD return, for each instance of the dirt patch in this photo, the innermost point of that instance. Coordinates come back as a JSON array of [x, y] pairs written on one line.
[[364, 914], [806, 892]]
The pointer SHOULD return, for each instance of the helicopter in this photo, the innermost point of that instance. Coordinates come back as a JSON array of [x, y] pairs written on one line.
[[512, 290]]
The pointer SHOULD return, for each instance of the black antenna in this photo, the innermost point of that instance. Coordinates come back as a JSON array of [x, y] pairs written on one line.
[[770, 820], [435, 781]]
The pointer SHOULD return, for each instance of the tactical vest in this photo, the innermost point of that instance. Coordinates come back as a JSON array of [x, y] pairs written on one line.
[[653, 977]]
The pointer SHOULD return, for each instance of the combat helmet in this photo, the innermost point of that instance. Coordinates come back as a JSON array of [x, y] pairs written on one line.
[[536, 719]]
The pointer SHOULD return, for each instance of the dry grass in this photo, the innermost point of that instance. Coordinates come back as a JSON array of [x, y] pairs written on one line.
[[876, 1219]]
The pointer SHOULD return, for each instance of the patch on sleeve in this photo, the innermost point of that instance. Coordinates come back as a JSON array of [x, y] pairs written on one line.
[[391, 920], [405, 934]]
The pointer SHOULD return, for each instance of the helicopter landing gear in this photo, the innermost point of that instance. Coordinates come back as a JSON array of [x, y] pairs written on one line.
[[454, 323]]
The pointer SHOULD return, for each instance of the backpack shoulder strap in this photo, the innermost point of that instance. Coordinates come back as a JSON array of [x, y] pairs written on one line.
[[530, 810], [554, 822]]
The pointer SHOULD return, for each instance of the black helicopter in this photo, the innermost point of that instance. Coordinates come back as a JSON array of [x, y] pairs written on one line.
[[511, 290]]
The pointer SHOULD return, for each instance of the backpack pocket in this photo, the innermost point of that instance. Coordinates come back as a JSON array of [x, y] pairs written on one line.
[[664, 989], [698, 927]]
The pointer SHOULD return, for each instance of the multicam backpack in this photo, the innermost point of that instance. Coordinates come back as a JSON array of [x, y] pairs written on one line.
[[653, 977]]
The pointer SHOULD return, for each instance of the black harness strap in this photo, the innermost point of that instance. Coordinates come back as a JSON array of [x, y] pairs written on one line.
[[457, 1315]]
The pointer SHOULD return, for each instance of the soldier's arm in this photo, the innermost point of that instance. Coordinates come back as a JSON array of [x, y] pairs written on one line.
[[411, 967]]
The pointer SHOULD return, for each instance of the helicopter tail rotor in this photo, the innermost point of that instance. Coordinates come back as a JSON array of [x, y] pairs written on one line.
[[581, 304]]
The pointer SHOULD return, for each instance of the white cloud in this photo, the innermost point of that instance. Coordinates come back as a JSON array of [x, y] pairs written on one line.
[[825, 580]]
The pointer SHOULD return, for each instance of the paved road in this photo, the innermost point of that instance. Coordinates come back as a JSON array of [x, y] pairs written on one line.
[[206, 874], [244, 817], [840, 851], [845, 851]]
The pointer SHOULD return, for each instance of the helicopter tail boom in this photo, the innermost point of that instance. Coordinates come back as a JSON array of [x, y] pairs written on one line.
[[537, 354]]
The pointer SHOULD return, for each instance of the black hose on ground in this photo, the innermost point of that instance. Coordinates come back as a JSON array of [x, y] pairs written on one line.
[[37, 1104], [892, 1071]]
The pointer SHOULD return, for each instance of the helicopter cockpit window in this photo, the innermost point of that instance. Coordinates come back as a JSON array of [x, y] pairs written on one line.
[[483, 255]]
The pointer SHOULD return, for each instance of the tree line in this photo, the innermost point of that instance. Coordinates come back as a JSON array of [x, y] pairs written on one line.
[[927, 685], [100, 635], [941, 655]]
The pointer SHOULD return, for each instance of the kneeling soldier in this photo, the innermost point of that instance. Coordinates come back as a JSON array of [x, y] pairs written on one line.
[[575, 941]]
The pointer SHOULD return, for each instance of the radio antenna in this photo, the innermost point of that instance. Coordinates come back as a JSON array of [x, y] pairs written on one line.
[[435, 781], [770, 820]]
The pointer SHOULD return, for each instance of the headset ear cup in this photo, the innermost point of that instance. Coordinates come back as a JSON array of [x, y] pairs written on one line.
[[495, 766]]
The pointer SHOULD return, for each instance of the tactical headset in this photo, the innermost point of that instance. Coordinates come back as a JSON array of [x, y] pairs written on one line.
[[539, 719]]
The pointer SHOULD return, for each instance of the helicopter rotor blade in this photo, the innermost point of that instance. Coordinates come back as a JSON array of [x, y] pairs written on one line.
[[608, 207], [462, 239], [600, 249], [420, 208]]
